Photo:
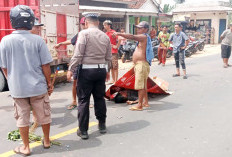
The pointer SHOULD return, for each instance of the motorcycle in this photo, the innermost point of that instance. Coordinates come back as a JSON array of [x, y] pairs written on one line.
[[170, 50], [188, 51], [127, 51], [201, 44], [155, 46], [198, 44]]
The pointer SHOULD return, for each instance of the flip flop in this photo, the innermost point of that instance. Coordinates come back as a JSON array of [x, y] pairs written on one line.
[[135, 109], [175, 75], [44, 146], [19, 152], [71, 107]]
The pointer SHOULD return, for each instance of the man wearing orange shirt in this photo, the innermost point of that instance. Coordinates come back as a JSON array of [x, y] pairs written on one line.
[[115, 45]]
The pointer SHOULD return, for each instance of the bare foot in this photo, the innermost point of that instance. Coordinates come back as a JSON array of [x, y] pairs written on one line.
[[146, 105], [132, 102], [137, 107], [22, 150]]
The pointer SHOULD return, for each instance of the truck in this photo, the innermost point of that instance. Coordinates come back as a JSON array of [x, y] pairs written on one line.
[[61, 22]]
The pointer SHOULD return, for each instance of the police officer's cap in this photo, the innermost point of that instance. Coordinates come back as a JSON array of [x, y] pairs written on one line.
[[91, 14]]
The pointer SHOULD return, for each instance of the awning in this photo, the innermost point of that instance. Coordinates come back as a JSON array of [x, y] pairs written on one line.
[[117, 11]]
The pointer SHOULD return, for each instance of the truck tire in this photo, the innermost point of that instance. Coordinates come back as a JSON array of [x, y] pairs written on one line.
[[2, 82]]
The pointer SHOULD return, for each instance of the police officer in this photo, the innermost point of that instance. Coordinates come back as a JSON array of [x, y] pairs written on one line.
[[92, 52]]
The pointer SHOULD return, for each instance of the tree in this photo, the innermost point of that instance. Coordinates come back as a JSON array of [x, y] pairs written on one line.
[[168, 8]]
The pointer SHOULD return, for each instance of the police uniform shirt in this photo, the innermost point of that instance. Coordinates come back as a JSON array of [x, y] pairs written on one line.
[[93, 47]]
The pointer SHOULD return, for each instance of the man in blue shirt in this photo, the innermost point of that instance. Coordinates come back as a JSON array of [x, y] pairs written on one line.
[[25, 61], [180, 41]]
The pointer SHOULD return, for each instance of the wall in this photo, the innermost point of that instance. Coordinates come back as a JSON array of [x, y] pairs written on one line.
[[102, 4], [215, 17]]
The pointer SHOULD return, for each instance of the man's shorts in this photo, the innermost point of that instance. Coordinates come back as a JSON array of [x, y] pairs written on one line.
[[39, 104], [114, 61], [226, 51], [142, 70]]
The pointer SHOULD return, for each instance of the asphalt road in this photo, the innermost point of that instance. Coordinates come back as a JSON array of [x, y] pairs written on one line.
[[192, 122]]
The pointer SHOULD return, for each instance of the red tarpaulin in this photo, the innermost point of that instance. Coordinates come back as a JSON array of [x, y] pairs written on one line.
[[127, 81]]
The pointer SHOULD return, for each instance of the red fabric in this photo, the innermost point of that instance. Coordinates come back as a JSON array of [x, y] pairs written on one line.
[[127, 81], [82, 20], [162, 53], [113, 40]]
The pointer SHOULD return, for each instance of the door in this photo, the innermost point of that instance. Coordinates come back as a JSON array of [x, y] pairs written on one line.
[[61, 35], [222, 27]]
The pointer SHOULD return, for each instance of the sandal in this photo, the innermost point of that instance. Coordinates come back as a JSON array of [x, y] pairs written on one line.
[[175, 75], [19, 152], [47, 146], [71, 107], [136, 109]]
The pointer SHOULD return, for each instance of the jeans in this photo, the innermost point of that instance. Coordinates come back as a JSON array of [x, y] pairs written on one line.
[[179, 59]]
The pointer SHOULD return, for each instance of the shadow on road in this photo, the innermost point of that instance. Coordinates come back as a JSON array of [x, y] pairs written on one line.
[[123, 128], [127, 127], [162, 105], [7, 108], [156, 104], [64, 120], [68, 146]]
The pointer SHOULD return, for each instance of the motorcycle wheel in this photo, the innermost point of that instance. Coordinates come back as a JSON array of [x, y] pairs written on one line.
[[201, 47], [169, 54], [188, 54], [123, 58]]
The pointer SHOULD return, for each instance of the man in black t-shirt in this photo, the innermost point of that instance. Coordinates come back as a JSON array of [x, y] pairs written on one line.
[[73, 42]]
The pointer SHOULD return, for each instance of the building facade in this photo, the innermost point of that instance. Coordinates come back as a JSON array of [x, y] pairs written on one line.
[[210, 18]]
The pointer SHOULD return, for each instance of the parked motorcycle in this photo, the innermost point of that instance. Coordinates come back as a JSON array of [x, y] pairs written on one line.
[[155, 46], [170, 51], [127, 51], [201, 44], [188, 51], [198, 44]]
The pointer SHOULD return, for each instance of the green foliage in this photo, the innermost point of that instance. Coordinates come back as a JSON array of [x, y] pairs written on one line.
[[15, 136], [170, 25], [168, 8]]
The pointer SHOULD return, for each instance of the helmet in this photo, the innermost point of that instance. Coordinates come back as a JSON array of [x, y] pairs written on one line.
[[22, 16]]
